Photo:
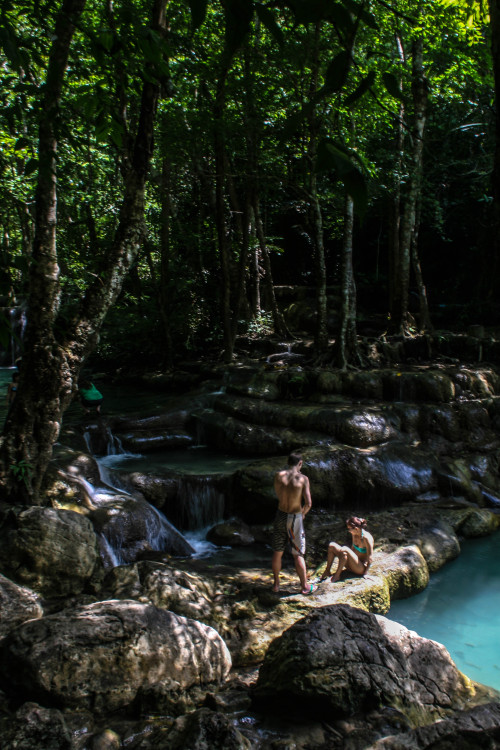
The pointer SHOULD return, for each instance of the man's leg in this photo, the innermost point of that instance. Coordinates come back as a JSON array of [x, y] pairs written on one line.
[[300, 567], [276, 567]]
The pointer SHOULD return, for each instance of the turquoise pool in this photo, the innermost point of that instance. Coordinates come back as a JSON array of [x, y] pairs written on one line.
[[461, 609]]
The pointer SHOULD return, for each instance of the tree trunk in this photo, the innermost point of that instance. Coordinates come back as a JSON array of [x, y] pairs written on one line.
[[395, 202], [424, 318], [346, 345], [419, 91], [220, 211], [51, 366], [280, 326], [321, 335], [494, 266]]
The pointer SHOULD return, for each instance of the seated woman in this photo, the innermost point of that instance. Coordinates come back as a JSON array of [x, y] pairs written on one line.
[[357, 558]]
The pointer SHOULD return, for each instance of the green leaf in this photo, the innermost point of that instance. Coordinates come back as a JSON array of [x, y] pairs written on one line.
[[333, 156], [363, 87], [337, 72], [355, 185], [21, 143], [31, 166], [268, 20], [198, 12], [392, 85]]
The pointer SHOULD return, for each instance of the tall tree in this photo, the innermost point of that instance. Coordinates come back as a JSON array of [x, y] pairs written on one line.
[[53, 359]]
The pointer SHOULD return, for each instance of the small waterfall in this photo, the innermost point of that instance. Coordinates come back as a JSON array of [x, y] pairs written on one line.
[[114, 447], [200, 503]]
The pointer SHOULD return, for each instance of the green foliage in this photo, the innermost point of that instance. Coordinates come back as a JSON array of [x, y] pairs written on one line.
[[22, 472]]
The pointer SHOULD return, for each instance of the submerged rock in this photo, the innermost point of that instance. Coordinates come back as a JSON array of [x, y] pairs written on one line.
[[104, 655], [339, 661], [233, 532]]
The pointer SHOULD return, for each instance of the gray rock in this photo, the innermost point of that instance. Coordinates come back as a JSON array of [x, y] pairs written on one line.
[[101, 656], [233, 532], [439, 544], [52, 551], [477, 728], [339, 661], [17, 604], [35, 727], [205, 730]]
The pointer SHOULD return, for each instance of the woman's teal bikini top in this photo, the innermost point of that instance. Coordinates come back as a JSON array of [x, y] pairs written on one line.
[[362, 550]]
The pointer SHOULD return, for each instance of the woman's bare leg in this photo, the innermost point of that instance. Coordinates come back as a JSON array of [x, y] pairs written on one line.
[[333, 552]]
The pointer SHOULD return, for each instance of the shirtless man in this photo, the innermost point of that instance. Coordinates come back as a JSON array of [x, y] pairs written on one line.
[[291, 488]]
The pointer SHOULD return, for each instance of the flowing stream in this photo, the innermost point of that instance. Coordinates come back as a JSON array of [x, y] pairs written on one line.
[[460, 608]]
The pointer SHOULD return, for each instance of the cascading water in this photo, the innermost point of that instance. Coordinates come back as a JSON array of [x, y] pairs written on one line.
[[127, 525]]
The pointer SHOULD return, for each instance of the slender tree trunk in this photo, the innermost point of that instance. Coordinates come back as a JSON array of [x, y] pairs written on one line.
[[424, 318], [220, 211], [491, 286], [51, 366], [165, 258], [395, 202], [321, 335], [419, 91], [346, 345], [280, 326]]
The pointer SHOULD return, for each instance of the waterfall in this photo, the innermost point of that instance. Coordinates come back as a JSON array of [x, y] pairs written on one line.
[[200, 503]]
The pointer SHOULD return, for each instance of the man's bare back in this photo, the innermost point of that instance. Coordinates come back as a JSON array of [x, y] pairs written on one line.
[[290, 486]]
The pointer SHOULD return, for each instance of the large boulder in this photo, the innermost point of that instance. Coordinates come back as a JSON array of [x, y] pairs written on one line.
[[104, 655], [54, 552], [339, 661], [17, 604]]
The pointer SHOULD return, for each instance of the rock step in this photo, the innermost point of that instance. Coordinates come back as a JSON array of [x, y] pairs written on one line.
[[240, 424], [436, 384]]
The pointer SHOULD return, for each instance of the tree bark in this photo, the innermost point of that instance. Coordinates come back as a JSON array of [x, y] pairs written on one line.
[[492, 284], [51, 364], [346, 345], [419, 91]]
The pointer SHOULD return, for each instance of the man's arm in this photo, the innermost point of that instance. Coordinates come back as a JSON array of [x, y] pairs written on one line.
[[306, 494]]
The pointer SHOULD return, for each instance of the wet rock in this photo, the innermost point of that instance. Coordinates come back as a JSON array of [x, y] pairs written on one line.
[[233, 533], [479, 522], [36, 727], [132, 527], [108, 739], [17, 604], [102, 656], [404, 569], [339, 661], [205, 730], [478, 727], [54, 552], [439, 544]]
